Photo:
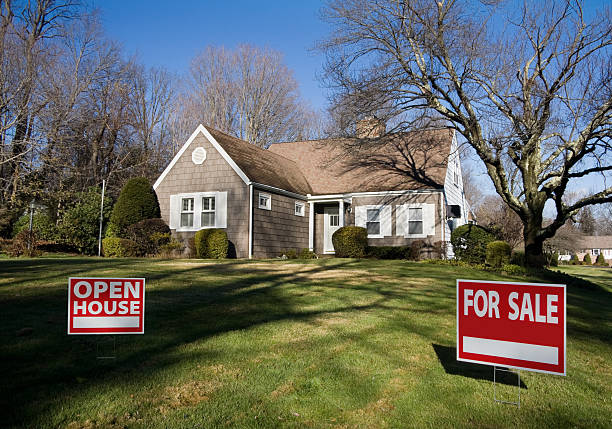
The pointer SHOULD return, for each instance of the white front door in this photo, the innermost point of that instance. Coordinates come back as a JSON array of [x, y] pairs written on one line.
[[331, 220]]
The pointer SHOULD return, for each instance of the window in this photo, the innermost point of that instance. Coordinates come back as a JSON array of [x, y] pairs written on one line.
[[299, 209], [596, 252], [208, 212], [415, 221], [187, 212], [373, 221], [334, 220], [265, 202]]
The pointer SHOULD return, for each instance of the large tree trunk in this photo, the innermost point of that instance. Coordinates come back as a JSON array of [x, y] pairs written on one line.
[[534, 242]]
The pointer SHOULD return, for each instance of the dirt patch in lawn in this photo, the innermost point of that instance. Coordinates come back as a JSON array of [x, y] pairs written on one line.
[[186, 395]]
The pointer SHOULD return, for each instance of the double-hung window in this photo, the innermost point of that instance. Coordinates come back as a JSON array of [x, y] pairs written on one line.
[[208, 212], [373, 221], [415, 221], [299, 209], [186, 212]]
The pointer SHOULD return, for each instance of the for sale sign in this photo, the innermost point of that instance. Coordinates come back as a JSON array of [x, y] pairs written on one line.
[[106, 306], [519, 325]]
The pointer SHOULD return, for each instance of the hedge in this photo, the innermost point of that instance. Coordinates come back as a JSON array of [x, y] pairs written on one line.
[[350, 242], [137, 201], [211, 243], [470, 243], [119, 247], [498, 253]]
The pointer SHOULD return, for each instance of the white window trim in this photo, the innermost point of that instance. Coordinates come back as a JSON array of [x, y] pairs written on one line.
[[380, 220], [268, 206], [407, 208], [197, 211], [422, 234], [214, 211], [379, 208], [301, 212], [191, 212]]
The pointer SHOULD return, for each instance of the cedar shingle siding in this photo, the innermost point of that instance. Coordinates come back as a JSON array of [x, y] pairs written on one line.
[[278, 229], [215, 174]]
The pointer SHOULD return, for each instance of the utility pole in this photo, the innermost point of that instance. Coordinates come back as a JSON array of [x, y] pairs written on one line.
[[101, 217]]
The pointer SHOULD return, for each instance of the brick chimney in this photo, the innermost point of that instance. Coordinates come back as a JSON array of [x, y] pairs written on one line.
[[370, 128]]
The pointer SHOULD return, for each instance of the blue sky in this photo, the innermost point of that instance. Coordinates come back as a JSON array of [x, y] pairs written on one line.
[[170, 34]]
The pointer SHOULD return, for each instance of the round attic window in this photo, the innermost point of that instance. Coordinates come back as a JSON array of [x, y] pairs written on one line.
[[198, 156]]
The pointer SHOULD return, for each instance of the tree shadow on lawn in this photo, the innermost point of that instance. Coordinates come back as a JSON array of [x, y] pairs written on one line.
[[448, 358], [46, 367]]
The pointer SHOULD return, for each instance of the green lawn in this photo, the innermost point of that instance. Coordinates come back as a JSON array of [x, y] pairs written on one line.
[[326, 343]]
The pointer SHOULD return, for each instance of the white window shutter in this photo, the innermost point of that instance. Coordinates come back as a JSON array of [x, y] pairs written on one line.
[[401, 220], [385, 221], [175, 211], [429, 219], [360, 216], [221, 210]]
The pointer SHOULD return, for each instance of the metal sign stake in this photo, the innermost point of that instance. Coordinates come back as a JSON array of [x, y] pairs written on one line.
[[114, 353], [518, 386]]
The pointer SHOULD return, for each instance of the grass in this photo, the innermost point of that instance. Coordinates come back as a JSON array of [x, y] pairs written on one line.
[[325, 343]]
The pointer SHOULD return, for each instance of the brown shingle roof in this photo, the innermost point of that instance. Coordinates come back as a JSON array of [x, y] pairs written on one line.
[[596, 242], [415, 160], [263, 166]]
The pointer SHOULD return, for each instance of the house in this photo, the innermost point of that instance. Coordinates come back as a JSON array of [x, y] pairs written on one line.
[[596, 245], [295, 195]]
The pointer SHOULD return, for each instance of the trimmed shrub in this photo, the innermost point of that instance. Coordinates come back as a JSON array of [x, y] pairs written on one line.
[[167, 245], [142, 234], [389, 252], [498, 253], [119, 247], [514, 270], [518, 258], [350, 242], [211, 243], [290, 254], [41, 222], [307, 254], [587, 259], [137, 201], [200, 243], [574, 260], [601, 260], [470, 243], [80, 223]]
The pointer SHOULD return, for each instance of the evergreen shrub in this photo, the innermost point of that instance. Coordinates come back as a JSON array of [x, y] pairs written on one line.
[[350, 242]]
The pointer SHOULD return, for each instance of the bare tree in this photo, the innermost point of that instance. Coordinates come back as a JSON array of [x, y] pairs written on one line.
[[248, 93], [528, 86], [496, 215]]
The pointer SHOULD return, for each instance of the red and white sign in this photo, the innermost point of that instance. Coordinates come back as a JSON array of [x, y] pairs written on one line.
[[518, 325], [106, 306]]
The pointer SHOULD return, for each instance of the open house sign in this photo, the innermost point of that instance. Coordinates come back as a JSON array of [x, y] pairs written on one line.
[[106, 305]]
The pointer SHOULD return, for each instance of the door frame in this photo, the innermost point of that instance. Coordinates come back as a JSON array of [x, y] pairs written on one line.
[[327, 211]]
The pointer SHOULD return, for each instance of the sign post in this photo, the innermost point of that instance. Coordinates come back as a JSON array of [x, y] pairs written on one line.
[[516, 325], [101, 306]]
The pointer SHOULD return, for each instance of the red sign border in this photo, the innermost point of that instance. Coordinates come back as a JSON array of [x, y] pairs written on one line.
[[564, 373], [109, 278]]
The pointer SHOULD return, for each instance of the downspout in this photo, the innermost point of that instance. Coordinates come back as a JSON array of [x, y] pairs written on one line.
[[250, 221]]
